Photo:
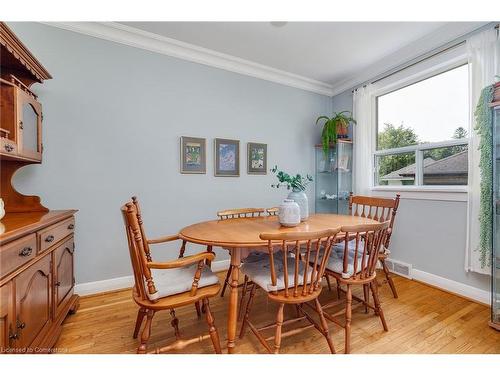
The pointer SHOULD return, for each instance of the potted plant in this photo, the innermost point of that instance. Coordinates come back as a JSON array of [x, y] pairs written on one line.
[[298, 184], [335, 127]]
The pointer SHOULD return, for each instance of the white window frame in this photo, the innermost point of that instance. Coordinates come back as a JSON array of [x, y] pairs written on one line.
[[417, 191]]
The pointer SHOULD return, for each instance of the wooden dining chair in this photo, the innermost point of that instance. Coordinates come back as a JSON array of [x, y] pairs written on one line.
[[380, 209], [237, 213], [167, 285], [357, 266], [272, 211], [289, 279]]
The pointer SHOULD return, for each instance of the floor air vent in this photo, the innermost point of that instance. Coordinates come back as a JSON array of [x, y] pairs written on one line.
[[399, 268]]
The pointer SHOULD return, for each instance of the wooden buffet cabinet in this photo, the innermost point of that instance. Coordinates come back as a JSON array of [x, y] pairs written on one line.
[[36, 244]]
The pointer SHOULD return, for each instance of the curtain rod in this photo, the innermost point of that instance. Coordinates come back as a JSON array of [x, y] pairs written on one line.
[[428, 55]]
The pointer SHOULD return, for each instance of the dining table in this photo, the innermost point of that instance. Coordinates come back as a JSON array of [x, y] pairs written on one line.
[[241, 235]]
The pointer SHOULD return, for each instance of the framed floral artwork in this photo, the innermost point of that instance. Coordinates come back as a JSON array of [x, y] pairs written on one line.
[[256, 158], [193, 155], [227, 157]]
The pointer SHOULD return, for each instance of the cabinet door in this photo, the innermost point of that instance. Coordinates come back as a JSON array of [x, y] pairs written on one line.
[[29, 115], [63, 274], [33, 302], [7, 329]]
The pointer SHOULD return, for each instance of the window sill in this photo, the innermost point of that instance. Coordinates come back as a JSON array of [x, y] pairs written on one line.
[[434, 193]]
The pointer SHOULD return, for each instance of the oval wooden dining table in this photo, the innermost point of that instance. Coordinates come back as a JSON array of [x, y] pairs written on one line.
[[239, 234]]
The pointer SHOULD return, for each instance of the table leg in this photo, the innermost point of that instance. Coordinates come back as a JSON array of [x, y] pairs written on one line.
[[233, 301]]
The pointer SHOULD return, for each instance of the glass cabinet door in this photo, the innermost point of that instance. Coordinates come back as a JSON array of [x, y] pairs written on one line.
[[344, 176], [326, 180], [29, 122], [333, 178]]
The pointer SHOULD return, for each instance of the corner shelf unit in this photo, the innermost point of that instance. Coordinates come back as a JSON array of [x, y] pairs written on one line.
[[333, 181]]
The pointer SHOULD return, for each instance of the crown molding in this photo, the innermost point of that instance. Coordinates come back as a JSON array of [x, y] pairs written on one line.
[[134, 37], [436, 39]]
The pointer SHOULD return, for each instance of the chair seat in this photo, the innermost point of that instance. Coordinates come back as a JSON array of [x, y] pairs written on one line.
[[255, 256], [260, 272], [179, 280], [336, 263], [339, 248]]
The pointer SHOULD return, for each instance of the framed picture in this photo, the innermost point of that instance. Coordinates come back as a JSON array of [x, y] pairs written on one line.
[[257, 158], [227, 157], [344, 163], [193, 155]]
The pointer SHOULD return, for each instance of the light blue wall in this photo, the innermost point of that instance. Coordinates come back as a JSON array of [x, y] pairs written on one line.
[[113, 116], [429, 234]]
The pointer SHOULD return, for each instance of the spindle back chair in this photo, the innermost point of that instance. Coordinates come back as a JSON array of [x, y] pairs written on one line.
[[237, 213], [292, 275], [146, 293], [358, 266], [380, 209], [272, 211]]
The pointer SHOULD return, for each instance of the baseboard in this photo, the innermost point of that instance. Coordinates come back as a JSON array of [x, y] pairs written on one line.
[[101, 286], [464, 290], [95, 287]]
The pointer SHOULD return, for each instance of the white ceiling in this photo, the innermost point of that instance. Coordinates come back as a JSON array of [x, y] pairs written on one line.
[[330, 52]]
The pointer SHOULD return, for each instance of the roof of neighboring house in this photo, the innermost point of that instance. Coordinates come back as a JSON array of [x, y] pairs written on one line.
[[454, 164]]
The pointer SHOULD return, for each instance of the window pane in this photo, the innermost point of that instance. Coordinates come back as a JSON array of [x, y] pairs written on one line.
[[446, 166], [396, 169], [432, 110]]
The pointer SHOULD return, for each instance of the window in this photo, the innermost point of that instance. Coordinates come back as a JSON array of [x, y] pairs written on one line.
[[421, 132]]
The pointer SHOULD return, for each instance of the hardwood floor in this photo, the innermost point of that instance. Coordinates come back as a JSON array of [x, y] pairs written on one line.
[[422, 320]]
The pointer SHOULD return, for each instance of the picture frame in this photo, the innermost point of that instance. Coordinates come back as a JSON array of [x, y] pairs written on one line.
[[227, 157], [256, 158], [343, 163], [193, 155]]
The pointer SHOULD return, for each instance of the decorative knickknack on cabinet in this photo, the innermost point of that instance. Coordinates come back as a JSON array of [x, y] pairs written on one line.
[[36, 244]]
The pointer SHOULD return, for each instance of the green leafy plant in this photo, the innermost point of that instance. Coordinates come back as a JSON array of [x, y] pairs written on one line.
[[296, 182], [331, 126]]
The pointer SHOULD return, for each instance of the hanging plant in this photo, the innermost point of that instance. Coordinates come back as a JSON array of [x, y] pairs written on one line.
[[334, 127], [484, 119]]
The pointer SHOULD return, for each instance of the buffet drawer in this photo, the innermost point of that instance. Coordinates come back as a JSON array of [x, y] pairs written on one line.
[[55, 233], [16, 253]]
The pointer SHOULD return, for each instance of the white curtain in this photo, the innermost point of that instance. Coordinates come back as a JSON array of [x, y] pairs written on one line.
[[364, 136], [484, 62]]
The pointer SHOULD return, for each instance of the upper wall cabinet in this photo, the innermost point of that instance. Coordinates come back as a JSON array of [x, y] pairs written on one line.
[[20, 112], [21, 122]]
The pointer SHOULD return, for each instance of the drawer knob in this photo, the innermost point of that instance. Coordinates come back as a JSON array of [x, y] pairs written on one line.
[[26, 252], [21, 325], [71, 226], [49, 238], [8, 148], [13, 336]]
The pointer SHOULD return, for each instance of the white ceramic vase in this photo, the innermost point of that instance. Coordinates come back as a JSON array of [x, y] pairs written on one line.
[[289, 213], [300, 197]]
